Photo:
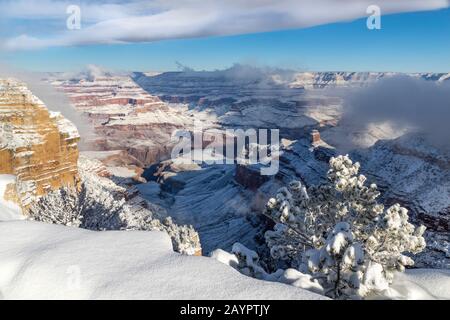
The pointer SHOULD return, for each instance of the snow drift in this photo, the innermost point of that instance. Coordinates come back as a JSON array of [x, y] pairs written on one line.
[[44, 261]]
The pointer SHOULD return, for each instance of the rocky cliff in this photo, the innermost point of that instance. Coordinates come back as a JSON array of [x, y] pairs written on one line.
[[37, 146]]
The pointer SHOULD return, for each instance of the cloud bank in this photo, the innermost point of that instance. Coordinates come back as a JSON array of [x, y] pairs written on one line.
[[405, 102], [112, 22]]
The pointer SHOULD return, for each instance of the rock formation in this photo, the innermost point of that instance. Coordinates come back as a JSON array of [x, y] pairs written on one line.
[[37, 146]]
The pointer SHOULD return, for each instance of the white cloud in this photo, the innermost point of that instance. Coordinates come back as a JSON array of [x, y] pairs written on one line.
[[145, 21]]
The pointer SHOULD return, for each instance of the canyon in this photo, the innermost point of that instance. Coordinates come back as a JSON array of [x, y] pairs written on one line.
[[135, 115]]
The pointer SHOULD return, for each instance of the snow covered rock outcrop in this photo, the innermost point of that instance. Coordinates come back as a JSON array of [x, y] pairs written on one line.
[[37, 146]]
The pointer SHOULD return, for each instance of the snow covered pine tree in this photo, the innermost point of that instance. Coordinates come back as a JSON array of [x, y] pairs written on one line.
[[340, 234]]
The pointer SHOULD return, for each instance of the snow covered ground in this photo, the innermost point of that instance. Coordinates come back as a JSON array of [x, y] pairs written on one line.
[[43, 261], [421, 284], [8, 210]]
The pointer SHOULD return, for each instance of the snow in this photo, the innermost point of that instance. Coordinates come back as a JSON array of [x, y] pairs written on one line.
[[8, 210], [65, 126], [251, 268], [100, 155], [122, 172], [300, 280], [44, 261], [225, 257], [414, 170], [250, 256], [419, 284]]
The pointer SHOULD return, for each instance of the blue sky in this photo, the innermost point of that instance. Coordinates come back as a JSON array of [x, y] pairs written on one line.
[[407, 42]]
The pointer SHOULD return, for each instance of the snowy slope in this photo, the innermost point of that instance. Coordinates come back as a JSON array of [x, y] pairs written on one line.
[[43, 261], [415, 171], [8, 210], [208, 199]]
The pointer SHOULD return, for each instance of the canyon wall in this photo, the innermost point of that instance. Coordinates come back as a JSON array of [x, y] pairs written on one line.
[[128, 119], [37, 146]]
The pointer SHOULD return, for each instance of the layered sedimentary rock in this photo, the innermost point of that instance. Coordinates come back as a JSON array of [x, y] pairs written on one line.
[[37, 146], [127, 118], [250, 177]]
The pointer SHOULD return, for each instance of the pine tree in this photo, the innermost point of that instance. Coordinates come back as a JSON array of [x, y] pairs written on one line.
[[340, 234]]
